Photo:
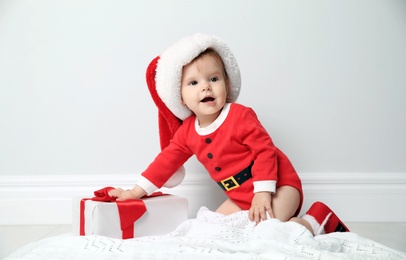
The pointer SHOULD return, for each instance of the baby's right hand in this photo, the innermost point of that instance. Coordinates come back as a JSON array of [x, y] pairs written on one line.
[[115, 193], [136, 193]]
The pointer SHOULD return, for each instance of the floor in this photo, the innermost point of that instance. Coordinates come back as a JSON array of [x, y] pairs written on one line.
[[392, 235]]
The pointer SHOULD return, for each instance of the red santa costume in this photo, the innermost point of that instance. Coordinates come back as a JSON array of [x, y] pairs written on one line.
[[236, 150]]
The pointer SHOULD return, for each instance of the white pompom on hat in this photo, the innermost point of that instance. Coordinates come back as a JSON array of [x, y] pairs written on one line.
[[164, 75]]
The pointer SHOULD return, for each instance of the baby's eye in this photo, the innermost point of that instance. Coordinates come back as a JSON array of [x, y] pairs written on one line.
[[213, 79], [193, 83]]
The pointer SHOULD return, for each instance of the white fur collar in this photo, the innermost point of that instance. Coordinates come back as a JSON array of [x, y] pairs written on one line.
[[216, 124]]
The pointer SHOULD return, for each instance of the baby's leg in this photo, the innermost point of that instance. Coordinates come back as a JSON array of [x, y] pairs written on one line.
[[303, 223], [285, 203], [228, 207]]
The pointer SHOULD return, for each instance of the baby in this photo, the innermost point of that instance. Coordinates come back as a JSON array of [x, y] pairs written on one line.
[[198, 79]]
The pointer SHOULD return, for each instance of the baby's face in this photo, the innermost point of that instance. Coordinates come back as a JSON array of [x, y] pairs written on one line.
[[204, 88]]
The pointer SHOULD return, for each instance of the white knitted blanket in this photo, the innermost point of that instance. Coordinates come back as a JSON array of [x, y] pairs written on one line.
[[214, 236]]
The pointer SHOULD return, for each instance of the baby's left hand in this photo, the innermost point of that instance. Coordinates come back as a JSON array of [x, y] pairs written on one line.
[[261, 203]]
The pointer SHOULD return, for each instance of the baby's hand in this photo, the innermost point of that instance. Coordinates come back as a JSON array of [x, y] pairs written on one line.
[[115, 193], [136, 193], [261, 203]]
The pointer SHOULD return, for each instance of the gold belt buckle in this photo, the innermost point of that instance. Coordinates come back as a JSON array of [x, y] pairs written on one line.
[[230, 185]]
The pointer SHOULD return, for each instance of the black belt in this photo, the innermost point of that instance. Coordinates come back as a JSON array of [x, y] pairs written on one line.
[[235, 181]]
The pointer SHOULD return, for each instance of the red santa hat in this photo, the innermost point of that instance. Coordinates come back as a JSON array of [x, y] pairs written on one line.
[[164, 75]]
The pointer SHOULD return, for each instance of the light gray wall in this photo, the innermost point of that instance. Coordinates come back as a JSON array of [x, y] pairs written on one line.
[[327, 79]]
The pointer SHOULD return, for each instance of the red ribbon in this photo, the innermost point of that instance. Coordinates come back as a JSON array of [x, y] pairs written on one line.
[[129, 210]]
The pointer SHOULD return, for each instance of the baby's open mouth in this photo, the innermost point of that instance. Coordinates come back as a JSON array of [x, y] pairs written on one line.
[[207, 99]]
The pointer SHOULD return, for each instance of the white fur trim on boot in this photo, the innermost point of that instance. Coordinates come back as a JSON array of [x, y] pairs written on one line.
[[313, 223], [318, 229]]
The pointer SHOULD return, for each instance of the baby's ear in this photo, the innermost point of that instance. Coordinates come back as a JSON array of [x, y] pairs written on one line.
[[228, 86]]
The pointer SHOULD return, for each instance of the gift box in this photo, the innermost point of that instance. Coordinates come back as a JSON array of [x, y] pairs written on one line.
[[156, 215]]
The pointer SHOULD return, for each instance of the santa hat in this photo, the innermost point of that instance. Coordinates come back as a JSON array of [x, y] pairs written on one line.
[[164, 75]]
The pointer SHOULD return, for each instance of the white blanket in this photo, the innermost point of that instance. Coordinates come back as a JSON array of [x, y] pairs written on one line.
[[214, 236]]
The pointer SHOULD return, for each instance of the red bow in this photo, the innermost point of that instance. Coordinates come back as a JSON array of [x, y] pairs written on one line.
[[129, 210]]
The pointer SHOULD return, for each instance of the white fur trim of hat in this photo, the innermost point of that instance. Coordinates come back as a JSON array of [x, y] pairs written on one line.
[[169, 70]]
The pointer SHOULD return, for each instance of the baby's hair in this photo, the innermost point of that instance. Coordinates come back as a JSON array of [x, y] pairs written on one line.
[[212, 53]]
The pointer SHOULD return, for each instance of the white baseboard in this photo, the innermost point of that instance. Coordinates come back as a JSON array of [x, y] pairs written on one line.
[[367, 197]]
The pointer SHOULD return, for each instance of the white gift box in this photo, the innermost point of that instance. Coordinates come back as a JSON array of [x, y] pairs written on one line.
[[163, 215]]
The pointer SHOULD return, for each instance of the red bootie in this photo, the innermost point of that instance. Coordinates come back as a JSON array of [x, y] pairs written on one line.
[[323, 220]]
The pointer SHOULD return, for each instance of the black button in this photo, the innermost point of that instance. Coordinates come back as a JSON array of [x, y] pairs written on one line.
[[218, 168], [210, 155], [208, 140]]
